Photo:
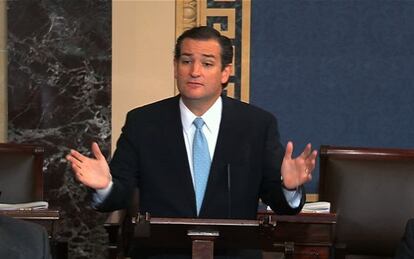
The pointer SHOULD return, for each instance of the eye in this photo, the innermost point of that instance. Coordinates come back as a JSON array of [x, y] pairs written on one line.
[[185, 61], [208, 64]]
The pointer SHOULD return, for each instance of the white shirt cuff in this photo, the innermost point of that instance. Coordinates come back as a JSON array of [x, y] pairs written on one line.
[[293, 197], [100, 194]]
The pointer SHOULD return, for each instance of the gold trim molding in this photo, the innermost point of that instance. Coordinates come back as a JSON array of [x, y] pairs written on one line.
[[185, 15]]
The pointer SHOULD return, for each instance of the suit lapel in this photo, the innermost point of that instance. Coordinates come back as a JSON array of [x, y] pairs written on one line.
[[225, 146], [173, 132], [225, 139]]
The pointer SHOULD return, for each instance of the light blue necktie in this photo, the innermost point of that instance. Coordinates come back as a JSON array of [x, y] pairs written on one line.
[[201, 162]]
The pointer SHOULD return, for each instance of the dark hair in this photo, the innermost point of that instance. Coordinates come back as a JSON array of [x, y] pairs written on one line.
[[207, 33]]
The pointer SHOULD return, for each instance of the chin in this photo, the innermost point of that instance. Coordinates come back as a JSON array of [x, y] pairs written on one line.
[[191, 93], [192, 97]]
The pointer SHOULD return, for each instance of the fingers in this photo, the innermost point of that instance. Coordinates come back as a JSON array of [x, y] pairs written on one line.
[[97, 151], [78, 174], [289, 150], [311, 160], [75, 158], [310, 163], [310, 157], [75, 167], [307, 151]]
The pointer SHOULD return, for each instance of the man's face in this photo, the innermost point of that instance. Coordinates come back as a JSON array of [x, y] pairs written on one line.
[[199, 71]]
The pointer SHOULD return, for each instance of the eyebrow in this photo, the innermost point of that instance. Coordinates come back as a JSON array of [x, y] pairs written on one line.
[[204, 55]]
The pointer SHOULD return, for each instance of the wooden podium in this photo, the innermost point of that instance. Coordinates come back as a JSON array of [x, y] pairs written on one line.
[[200, 236], [302, 236]]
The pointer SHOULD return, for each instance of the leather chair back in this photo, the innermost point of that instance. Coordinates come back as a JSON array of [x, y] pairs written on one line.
[[372, 191], [21, 173]]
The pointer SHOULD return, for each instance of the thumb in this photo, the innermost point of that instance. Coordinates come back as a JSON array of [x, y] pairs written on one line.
[[289, 150], [96, 151]]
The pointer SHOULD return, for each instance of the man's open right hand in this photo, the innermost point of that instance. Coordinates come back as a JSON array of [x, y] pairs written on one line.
[[92, 172]]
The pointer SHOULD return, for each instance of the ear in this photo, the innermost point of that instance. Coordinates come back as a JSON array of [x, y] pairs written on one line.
[[225, 74], [175, 68]]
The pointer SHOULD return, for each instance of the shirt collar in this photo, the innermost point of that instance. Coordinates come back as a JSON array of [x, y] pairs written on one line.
[[211, 117]]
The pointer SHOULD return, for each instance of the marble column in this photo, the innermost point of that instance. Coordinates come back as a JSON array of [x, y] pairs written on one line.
[[59, 96]]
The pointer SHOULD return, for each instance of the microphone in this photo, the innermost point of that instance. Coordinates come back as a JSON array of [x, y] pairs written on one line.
[[229, 190]]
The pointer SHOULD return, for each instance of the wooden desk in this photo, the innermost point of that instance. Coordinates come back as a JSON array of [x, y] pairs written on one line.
[[303, 236], [48, 219], [306, 235]]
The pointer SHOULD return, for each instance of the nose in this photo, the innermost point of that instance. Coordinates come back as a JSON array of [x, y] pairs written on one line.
[[196, 69]]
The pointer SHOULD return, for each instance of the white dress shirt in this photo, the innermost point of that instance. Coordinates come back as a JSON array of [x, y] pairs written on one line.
[[211, 118]]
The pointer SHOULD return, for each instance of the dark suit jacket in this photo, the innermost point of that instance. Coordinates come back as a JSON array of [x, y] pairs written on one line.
[[151, 155], [406, 248], [21, 239]]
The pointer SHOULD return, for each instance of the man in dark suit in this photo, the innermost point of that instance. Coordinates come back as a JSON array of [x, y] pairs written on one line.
[[405, 249], [20, 240], [154, 151]]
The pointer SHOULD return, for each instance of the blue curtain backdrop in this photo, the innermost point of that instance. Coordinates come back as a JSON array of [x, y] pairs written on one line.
[[335, 72]]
